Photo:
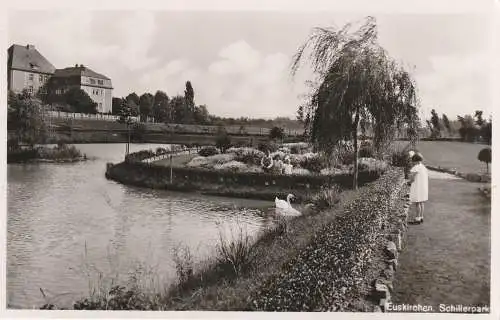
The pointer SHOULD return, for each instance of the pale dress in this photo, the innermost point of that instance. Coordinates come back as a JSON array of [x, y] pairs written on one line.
[[288, 169], [419, 190]]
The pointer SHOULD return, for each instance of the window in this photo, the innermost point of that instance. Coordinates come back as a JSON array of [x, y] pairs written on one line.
[[100, 106], [101, 82], [30, 89], [92, 81], [41, 78], [31, 76], [59, 91]]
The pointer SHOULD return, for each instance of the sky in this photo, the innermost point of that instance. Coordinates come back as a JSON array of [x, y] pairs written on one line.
[[239, 61]]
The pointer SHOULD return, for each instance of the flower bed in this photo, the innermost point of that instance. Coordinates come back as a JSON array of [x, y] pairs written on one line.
[[326, 274]]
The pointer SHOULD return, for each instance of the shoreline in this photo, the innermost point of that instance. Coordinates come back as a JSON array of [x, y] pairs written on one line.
[[283, 250]]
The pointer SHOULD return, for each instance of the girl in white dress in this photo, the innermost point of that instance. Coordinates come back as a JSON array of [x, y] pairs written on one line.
[[288, 167], [419, 189]]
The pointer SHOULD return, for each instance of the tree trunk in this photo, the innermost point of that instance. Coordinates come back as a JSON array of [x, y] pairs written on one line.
[[356, 151]]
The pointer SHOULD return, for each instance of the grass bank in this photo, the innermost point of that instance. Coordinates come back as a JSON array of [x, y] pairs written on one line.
[[243, 266]]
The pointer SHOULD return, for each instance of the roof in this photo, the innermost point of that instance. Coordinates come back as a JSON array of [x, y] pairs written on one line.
[[79, 71], [27, 58]]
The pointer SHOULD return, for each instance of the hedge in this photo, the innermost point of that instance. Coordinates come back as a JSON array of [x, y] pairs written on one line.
[[325, 275]]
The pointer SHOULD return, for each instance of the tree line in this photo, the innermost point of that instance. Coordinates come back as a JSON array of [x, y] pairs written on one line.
[[182, 109], [469, 127]]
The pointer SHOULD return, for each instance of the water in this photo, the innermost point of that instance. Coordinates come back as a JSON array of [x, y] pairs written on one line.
[[67, 224]]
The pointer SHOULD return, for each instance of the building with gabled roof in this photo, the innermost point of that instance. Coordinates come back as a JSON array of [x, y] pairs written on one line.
[[27, 69], [96, 85]]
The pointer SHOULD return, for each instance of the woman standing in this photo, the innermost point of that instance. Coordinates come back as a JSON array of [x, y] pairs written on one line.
[[419, 186]]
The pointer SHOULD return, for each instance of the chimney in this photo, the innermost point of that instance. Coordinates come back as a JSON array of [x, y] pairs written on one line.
[[30, 47]]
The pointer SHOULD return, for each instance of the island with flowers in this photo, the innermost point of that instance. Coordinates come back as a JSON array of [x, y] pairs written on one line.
[[264, 172]]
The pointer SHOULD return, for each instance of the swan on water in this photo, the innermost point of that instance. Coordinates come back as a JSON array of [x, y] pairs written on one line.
[[282, 203], [285, 207]]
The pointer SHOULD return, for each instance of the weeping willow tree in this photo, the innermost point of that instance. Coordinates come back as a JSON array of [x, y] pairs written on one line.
[[357, 82]]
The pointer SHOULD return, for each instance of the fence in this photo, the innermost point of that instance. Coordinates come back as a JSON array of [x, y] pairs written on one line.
[[84, 116], [174, 127]]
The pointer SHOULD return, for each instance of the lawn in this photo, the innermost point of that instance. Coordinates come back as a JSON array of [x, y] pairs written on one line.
[[178, 161], [461, 156], [447, 259]]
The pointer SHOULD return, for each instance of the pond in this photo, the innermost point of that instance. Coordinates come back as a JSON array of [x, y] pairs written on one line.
[[68, 227]]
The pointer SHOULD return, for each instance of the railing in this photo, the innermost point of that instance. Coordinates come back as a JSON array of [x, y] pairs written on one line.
[[84, 116], [174, 127], [149, 156]]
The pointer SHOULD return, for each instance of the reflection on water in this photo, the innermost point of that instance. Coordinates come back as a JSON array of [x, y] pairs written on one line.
[[67, 223]]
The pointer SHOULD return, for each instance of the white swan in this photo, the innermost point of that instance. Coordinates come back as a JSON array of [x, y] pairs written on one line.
[[282, 204], [285, 208]]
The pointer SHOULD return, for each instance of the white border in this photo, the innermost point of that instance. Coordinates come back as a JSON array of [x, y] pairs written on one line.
[[363, 6]]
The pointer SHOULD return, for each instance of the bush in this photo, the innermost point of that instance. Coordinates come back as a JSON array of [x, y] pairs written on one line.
[[314, 163], [366, 151], [372, 165], [277, 133], [211, 161], [223, 142], [327, 197], [399, 157], [267, 146], [118, 298], [60, 152], [249, 156], [160, 151], [236, 255], [208, 151], [184, 265], [485, 156]]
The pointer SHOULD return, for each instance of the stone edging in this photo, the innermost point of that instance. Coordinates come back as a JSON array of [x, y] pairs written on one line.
[[383, 286]]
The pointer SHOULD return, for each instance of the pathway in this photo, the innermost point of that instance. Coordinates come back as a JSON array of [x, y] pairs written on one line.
[[447, 258]]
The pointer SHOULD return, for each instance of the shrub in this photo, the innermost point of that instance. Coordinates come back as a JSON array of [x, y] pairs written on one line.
[[184, 265], [277, 133], [485, 156], [249, 156], [234, 166], [236, 255], [267, 146], [223, 142], [327, 197], [118, 298], [60, 152], [298, 147], [372, 165], [399, 157], [211, 161], [160, 151], [366, 151], [313, 163], [208, 151]]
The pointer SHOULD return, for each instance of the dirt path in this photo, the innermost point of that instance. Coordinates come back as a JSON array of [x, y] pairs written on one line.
[[447, 258]]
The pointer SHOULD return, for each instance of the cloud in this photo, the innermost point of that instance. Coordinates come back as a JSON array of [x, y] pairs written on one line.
[[458, 83], [240, 81], [240, 68]]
